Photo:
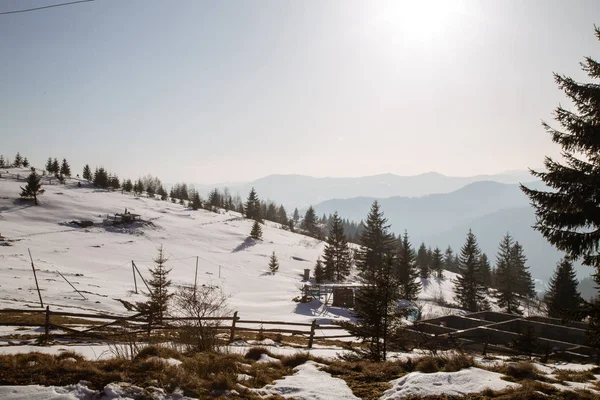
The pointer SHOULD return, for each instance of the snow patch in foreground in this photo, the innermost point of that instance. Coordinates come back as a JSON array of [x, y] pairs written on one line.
[[309, 383], [113, 391], [471, 380]]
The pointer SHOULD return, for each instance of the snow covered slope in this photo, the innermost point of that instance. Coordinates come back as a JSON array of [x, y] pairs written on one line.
[[97, 260]]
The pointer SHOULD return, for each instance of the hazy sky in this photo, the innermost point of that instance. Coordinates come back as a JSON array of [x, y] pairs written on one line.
[[234, 90]]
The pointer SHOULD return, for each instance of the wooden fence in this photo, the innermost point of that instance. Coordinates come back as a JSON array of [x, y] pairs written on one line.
[[106, 327]]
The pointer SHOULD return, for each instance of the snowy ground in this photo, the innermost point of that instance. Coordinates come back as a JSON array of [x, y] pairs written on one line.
[[97, 260]]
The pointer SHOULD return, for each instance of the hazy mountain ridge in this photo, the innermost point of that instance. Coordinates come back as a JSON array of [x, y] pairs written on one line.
[[301, 191], [489, 208]]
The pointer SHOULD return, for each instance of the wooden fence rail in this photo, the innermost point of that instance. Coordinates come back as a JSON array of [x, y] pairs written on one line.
[[144, 323]]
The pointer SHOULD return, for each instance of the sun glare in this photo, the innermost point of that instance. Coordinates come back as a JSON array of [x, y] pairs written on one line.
[[419, 21]]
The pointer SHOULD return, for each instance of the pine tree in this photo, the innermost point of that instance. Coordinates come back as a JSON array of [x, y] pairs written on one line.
[[113, 182], [296, 216], [319, 271], [139, 187], [49, 165], [376, 309], [437, 263], [55, 167], [196, 201], [336, 256], [271, 214], [101, 178], [33, 188], [282, 216], [470, 293], [18, 163], [567, 214], [423, 261], [486, 270], [508, 284], [563, 298], [449, 260], [256, 232], [159, 284], [526, 286], [252, 206], [127, 185], [407, 270], [150, 191], [2, 161], [273, 264], [65, 168], [87, 173], [25, 162], [310, 223]]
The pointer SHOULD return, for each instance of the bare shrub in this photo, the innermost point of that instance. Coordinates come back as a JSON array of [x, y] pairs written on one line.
[[198, 333]]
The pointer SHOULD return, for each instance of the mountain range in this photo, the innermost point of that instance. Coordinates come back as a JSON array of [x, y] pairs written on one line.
[[301, 191], [490, 209]]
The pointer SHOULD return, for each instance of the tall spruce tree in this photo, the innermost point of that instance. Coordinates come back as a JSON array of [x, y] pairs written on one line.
[[33, 187], [563, 299], [282, 217], [507, 278], [406, 270], [470, 292], [252, 206], [319, 271], [25, 162], [49, 164], [423, 261], [127, 185], [336, 256], [568, 215], [376, 309], [55, 166], [296, 216], [437, 263], [486, 270], [159, 284], [87, 173], [449, 260], [18, 163], [310, 222], [65, 168], [101, 178], [526, 286]]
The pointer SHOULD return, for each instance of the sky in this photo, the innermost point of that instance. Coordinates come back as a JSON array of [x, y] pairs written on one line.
[[231, 91]]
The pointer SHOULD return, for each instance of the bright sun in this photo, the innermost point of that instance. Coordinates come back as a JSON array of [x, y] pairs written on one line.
[[419, 21]]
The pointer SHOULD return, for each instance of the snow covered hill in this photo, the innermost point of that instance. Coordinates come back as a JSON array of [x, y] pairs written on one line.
[[98, 259]]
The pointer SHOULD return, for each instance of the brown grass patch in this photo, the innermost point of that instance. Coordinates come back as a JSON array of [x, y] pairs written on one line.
[[574, 376], [366, 379]]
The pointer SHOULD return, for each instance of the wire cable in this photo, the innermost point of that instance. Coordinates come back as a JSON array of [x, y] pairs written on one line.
[[44, 7]]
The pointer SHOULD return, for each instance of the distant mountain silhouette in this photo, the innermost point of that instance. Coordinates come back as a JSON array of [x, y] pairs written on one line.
[[302, 191], [489, 208]]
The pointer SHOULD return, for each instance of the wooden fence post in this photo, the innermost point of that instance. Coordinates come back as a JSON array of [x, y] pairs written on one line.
[[232, 331], [313, 326], [47, 324], [36, 281], [134, 279]]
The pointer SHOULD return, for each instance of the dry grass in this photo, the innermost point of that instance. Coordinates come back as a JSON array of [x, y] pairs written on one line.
[[39, 319], [574, 376], [201, 375], [366, 379], [450, 363]]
